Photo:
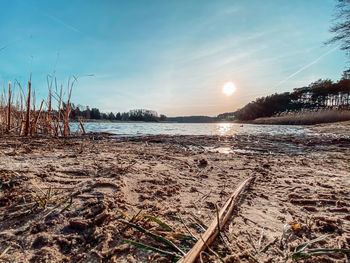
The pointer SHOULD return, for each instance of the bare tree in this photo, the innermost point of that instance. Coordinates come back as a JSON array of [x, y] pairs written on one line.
[[341, 25]]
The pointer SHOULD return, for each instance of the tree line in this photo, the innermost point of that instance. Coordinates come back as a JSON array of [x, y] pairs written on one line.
[[321, 94], [192, 119], [85, 113]]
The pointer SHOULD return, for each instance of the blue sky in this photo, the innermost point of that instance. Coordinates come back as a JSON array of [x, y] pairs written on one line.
[[169, 56]]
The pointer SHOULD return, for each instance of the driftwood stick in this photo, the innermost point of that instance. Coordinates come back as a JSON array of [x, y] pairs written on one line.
[[212, 231]]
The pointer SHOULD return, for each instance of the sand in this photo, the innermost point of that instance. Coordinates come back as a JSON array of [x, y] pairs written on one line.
[[64, 200]]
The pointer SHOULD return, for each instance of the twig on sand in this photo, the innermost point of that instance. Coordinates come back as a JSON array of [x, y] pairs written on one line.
[[205, 196], [199, 222], [261, 238], [211, 250], [212, 231], [5, 251], [251, 243], [188, 230]]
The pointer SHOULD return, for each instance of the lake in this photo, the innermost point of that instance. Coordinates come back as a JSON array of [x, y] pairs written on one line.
[[223, 129]]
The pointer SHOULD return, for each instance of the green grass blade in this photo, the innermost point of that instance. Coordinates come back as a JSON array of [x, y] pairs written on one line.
[[328, 250], [318, 252], [301, 247], [183, 237], [159, 222], [174, 218], [160, 251], [154, 236]]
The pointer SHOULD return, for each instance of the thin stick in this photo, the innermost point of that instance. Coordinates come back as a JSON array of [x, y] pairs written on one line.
[[212, 231], [261, 238], [9, 110], [217, 217], [188, 230], [5, 251]]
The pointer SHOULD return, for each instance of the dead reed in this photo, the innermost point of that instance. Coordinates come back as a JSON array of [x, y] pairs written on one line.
[[30, 120], [307, 118]]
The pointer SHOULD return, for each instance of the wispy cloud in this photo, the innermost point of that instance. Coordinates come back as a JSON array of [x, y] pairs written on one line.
[[306, 66], [64, 24]]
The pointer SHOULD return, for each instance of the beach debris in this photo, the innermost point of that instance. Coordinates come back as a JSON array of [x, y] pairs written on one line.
[[220, 220]]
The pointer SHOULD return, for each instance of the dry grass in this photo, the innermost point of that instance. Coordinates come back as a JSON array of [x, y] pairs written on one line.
[[28, 120], [307, 118]]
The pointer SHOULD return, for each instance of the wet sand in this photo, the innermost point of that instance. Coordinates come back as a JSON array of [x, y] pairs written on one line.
[[63, 200]]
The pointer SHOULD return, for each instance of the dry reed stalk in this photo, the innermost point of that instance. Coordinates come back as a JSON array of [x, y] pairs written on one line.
[[49, 115], [21, 116], [26, 129], [219, 221], [9, 110], [21, 111], [58, 125], [33, 99], [82, 126], [35, 122], [66, 129]]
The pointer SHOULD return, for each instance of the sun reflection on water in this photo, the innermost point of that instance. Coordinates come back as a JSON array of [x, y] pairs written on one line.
[[224, 128]]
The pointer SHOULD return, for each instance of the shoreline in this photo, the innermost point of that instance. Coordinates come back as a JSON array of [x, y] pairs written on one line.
[[96, 182], [261, 121]]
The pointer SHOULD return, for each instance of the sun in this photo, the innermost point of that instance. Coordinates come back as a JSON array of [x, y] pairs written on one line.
[[229, 88]]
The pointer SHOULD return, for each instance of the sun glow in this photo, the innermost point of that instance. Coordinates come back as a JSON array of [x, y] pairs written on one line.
[[229, 88]]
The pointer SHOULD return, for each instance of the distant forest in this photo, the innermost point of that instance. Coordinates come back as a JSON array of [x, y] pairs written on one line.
[[322, 94], [192, 119], [85, 113]]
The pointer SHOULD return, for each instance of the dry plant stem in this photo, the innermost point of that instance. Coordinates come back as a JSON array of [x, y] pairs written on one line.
[[5, 251], [9, 110], [212, 251], [20, 115], [33, 99], [58, 126], [212, 231], [260, 239], [66, 130], [188, 230], [35, 123], [26, 129], [21, 122], [82, 127], [49, 115]]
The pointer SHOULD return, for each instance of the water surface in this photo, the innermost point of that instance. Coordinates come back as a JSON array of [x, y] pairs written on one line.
[[223, 129]]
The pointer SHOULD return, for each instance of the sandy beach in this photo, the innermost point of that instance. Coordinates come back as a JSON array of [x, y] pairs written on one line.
[[65, 199]]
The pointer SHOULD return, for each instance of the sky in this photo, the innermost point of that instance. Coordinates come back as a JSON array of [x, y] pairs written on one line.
[[170, 56]]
